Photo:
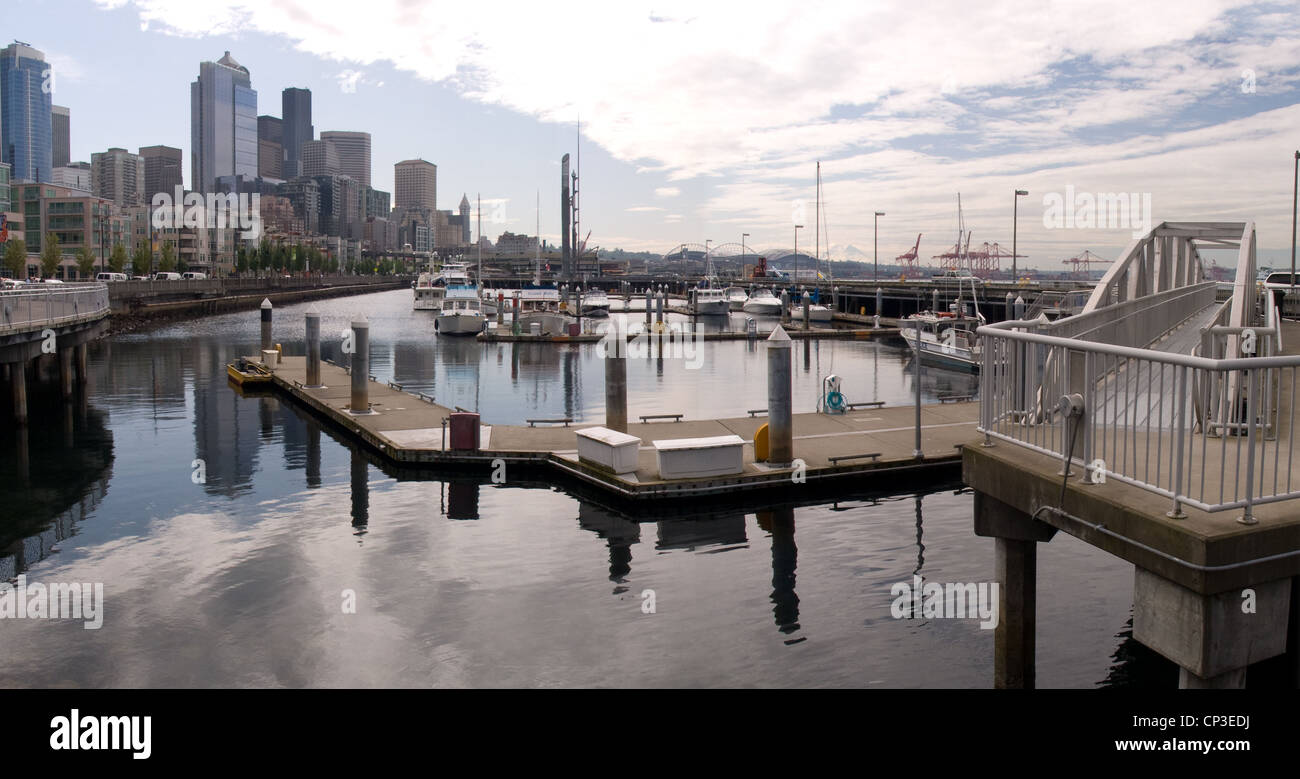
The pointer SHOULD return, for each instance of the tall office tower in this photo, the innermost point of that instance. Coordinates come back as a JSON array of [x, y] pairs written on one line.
[[464, 218], [415, 185], [223, 124], [162, 170], [354, 153], [295, 105], [320, 158], [25, 113], [378, 203], [270, 147], [118, 175], [61, 127]]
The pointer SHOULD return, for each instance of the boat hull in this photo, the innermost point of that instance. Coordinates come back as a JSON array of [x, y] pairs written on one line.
[[459, 324], [712, 308], [815, 313], [762, 308], [943, 355]]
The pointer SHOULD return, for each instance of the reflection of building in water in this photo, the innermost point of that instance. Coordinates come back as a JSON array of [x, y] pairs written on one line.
[[460, 499], [537, 369], [620, 533], [718, 529], [416, 363], [785, 559], [226, 426]]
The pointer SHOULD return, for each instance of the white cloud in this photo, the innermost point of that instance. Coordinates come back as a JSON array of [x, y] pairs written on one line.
[[667, 192], [638, 209]]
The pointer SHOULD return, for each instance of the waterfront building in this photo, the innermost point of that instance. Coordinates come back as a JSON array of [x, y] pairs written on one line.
[[118, 175]]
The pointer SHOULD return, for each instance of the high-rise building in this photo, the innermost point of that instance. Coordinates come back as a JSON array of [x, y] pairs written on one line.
[[378, 203], [223, 123], [304, 194], [464, 218], [117, 175], [295, 105], [6, 199], [415, 185], [320, 158], [162, 170], [61, 127], [74, 175], [354, 153], [25, 110], [270, 147]]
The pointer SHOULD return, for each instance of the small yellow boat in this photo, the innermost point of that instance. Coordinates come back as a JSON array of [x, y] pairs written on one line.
[[245, 371]]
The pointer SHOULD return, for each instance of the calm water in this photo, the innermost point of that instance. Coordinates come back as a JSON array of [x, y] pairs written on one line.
[[239, 581]]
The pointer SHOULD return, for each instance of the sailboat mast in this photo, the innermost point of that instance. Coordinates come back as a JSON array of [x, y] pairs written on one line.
[[817, 251], [537, 244], [479, 272]]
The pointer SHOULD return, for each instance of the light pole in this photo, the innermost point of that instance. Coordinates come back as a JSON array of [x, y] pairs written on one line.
[[796, 253], [743, 236], [875, 245], [1015, 217], [1295, 186]]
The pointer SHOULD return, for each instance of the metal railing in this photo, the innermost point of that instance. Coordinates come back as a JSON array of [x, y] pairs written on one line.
[[29, 309], [1212, 433]]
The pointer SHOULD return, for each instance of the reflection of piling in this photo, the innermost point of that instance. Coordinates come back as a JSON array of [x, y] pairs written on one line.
[[266, 325], [360, 367], [785, 559], [18, 388], [313, 453], [360, 490], [313, 349], [780, 420], [616, 379]]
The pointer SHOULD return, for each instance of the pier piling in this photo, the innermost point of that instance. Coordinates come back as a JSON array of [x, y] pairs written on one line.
[[313, 349], [616, 381], [360, 367], [18, 387], [266, 325], [780, 391], [785, 306], [807, 304]]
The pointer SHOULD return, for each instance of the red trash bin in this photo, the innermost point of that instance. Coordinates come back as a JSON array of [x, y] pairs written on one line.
[[464, 430], [575, 329]]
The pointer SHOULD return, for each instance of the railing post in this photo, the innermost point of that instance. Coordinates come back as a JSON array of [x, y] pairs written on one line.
[[989, 385], [1248, 518], [1090, 426], [1180, 427], [916, 379]]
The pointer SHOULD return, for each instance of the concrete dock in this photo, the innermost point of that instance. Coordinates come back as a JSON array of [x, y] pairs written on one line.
[[407, 429]]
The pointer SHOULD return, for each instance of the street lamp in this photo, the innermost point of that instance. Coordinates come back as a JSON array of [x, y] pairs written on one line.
[[796, 252], [1295, 185], [875, 245], [1015, 215], [743, 236]]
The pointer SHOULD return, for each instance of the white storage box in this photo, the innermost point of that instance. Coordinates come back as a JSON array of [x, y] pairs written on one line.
[[608, 449], [687, 458]]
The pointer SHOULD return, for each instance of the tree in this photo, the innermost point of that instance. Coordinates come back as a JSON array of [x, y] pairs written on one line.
[[117, 260], [241, 261], [85, 262], [16, 258], [167, 262], [141, 259], [50, 256]]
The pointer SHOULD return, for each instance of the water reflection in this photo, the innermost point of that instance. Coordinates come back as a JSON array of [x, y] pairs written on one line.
[[785, 559]]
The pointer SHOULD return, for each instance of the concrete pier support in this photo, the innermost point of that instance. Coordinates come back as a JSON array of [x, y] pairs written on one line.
[[313, 349], [1015, 569], [83, 374], [18, 388], [616, 380], [880, 300], [65, 373], [780, 391], [659, 306], [266, 325], [360, 367], [648, 305], [807, 304], [785, 306]]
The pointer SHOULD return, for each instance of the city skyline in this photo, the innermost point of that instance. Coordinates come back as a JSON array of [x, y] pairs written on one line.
[[1091, 110]]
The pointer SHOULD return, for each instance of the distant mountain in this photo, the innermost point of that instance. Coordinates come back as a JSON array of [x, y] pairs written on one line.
[[849, 252]]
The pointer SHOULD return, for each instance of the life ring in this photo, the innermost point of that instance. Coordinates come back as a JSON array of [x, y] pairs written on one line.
[[834, 401]]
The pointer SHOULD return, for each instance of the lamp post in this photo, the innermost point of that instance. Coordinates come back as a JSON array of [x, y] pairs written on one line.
[[1015, 217], [1295, 186], [743, 236], [796, 253], [875, 245]]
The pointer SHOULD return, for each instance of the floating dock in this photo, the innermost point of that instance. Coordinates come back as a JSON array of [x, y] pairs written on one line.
[[867, 447]]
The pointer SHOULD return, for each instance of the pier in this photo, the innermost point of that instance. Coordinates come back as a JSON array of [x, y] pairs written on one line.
[[51, 325]]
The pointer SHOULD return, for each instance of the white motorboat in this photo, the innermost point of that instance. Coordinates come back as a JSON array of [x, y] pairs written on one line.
[[708, 301], [816, 312], [946, 339], [595, 302], [428, 297], [541, 305], [461, 313], [736, 298], [762, 302]]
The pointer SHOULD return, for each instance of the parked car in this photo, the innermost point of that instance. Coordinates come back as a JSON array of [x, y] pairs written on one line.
[[6, 283], [111, 277], [193, 275], [167, 277]]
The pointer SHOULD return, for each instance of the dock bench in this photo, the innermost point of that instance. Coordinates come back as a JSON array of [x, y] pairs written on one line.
[[608, 449], [673, 417], [875, 456], [872, 403], [564, 420], [954, 398], [688, 458]]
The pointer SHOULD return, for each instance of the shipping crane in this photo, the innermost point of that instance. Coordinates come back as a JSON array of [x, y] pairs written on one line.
[[909, 259]]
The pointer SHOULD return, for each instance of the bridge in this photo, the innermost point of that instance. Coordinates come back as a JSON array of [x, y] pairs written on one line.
[[1157, 425], [50, 324]]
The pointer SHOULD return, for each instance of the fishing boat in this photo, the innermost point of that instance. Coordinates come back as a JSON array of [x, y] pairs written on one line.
[[946, 338], [708, 301], [541, 305], [461, 313], [736, 298], [762, 302], [595, 302], [245, 371]]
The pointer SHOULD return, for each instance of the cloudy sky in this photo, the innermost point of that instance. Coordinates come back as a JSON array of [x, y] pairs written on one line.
[[706, 120]]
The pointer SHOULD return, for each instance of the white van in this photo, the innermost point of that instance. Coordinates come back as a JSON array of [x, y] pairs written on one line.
[[193, 275], [111, 277], [167, 277]]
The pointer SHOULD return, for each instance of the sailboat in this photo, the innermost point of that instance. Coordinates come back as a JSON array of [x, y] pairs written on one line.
[[816, 311]]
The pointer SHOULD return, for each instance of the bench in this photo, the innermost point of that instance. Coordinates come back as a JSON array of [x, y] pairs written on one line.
[[673, 417], [608, 449], [753, 412], [872, 403], [873, 455], [954, 398], [690, 458], [565, 421]]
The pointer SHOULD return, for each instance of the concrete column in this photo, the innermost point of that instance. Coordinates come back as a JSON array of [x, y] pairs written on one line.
[[266, 325], [648, 306], [65, 372], [18, 387], [83, 375], [313, 349], [934, 300], [785, 306], [659, 307], [616, 380], [780, 391], [1018, 307], [1010, 307], [360, 367], [807, 304]]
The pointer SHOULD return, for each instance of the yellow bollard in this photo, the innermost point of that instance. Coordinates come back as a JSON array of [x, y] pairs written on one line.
[[760, 444]]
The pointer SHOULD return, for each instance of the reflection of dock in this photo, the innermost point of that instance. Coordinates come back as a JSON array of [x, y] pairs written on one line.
[[408, 430]]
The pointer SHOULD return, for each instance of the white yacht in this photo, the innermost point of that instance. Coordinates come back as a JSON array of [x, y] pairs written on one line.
[[708, 301], [736, 298], [427, 296], [946, 339], [762, 302], [816, 312], [461, 313], [595, 302], [541, 305]]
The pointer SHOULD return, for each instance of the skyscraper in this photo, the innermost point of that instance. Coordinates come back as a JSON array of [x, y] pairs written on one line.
[[415, 184], [270, 147], [464, 218], [223, 123], [61, 126], [25, 108], [354, 153], [295, 107], [320, 158], [162, 170], [118, 175]]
